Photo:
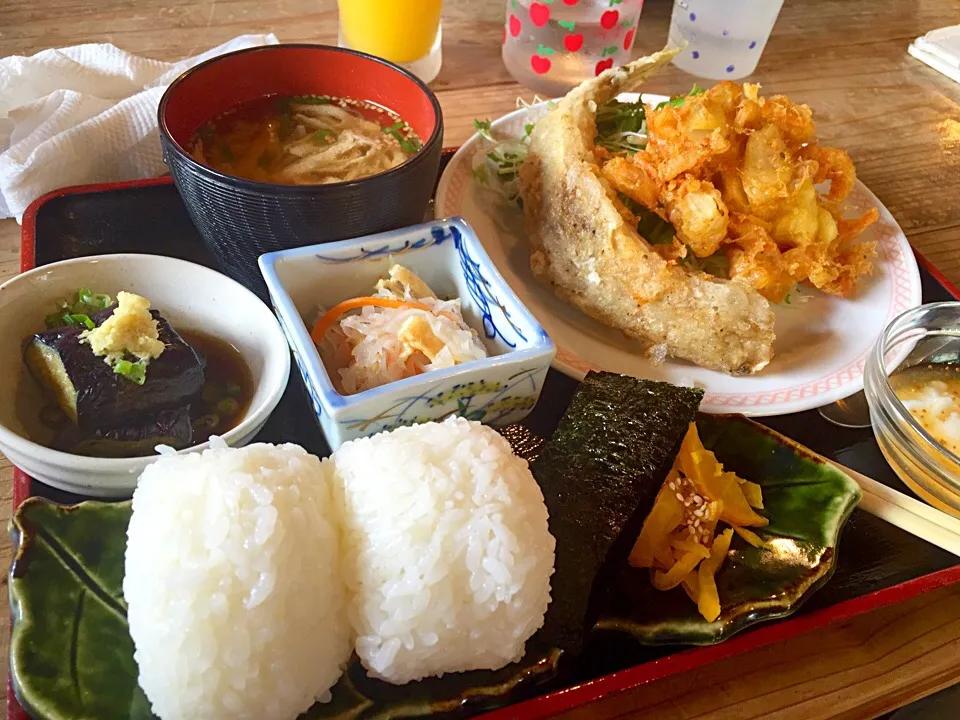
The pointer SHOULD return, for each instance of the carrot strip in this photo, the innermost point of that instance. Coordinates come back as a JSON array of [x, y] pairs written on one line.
[[325, 322]]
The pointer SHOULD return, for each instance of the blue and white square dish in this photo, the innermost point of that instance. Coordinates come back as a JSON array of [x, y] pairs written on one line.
[[496, 390]]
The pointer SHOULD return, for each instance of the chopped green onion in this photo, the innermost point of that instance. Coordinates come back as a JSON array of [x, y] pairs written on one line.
[[56, 320], [81, 319], [68, 319], [92, 300], [233, 388], [78, 309], [133, 371], [679, 99], [409, 144], [228, 406], [322, 136], [310, 100]]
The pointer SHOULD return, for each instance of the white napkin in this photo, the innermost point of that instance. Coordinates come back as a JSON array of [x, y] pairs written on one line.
[[84, 114], [940, 49]]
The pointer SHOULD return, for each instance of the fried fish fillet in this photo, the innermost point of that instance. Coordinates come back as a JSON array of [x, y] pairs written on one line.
[[591, 256]]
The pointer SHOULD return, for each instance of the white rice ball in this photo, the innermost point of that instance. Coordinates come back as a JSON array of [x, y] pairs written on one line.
[[447, 556], [232, 577]]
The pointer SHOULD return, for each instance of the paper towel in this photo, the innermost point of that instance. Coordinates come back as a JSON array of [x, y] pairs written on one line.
[[84, 114]]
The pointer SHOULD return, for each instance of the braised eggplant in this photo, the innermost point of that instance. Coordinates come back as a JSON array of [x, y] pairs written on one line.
[[93, 396], [169, 427]]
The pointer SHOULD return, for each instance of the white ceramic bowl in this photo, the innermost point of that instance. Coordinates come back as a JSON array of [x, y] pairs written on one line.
[[499, 389], [191, 297]]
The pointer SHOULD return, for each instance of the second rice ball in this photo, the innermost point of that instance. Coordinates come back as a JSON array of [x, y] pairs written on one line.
[[447, 556]]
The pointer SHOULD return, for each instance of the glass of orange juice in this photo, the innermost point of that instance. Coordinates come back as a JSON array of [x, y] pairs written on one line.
[[405, 32]]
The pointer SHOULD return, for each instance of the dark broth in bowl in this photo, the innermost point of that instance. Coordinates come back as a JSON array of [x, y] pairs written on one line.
[[305, 140], [227, 388], [119, 380]]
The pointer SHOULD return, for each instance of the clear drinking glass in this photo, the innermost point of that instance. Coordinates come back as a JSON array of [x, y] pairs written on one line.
[[552, 46], [405, 32], [724, 39]]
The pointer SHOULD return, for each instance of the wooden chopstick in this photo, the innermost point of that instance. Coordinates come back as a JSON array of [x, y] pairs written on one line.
[[907, 513]]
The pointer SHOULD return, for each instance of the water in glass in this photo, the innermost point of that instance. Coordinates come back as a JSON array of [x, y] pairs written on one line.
[[552, 46], [724, 39]]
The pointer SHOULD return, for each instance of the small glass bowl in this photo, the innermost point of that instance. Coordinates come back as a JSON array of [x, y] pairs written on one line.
[[923, 335]]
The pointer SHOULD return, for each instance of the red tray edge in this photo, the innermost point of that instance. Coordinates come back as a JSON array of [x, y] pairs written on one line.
[[551, 704]]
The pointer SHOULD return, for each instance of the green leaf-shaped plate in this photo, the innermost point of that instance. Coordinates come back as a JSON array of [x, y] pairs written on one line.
[[807, 502], [72, 657]]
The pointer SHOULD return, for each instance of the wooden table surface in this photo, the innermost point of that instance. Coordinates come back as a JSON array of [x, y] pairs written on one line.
[[848, 59]]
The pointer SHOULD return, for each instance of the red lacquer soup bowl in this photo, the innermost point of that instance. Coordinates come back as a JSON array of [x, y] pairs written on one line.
[[241, 219]]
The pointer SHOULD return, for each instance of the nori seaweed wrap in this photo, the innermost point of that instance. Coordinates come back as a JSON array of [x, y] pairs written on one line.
[[600, 473]]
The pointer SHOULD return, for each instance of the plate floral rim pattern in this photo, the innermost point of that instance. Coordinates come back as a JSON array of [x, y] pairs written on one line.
[[893, 248]]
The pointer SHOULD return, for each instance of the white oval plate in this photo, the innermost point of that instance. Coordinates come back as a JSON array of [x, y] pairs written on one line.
[[822, 342]]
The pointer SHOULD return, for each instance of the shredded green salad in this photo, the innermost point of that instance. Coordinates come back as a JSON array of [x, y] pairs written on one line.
[[498, 168], [621, 128]]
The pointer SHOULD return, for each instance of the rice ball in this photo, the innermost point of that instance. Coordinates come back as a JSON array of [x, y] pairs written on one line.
[[447, 556], [232, 578]]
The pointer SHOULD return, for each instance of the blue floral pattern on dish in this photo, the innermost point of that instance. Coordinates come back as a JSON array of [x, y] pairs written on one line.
[[499, 401], [387, 250], [311, 391], [480, 290]]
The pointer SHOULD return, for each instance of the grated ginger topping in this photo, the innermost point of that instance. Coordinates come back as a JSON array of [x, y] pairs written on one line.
[[131, 330]]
